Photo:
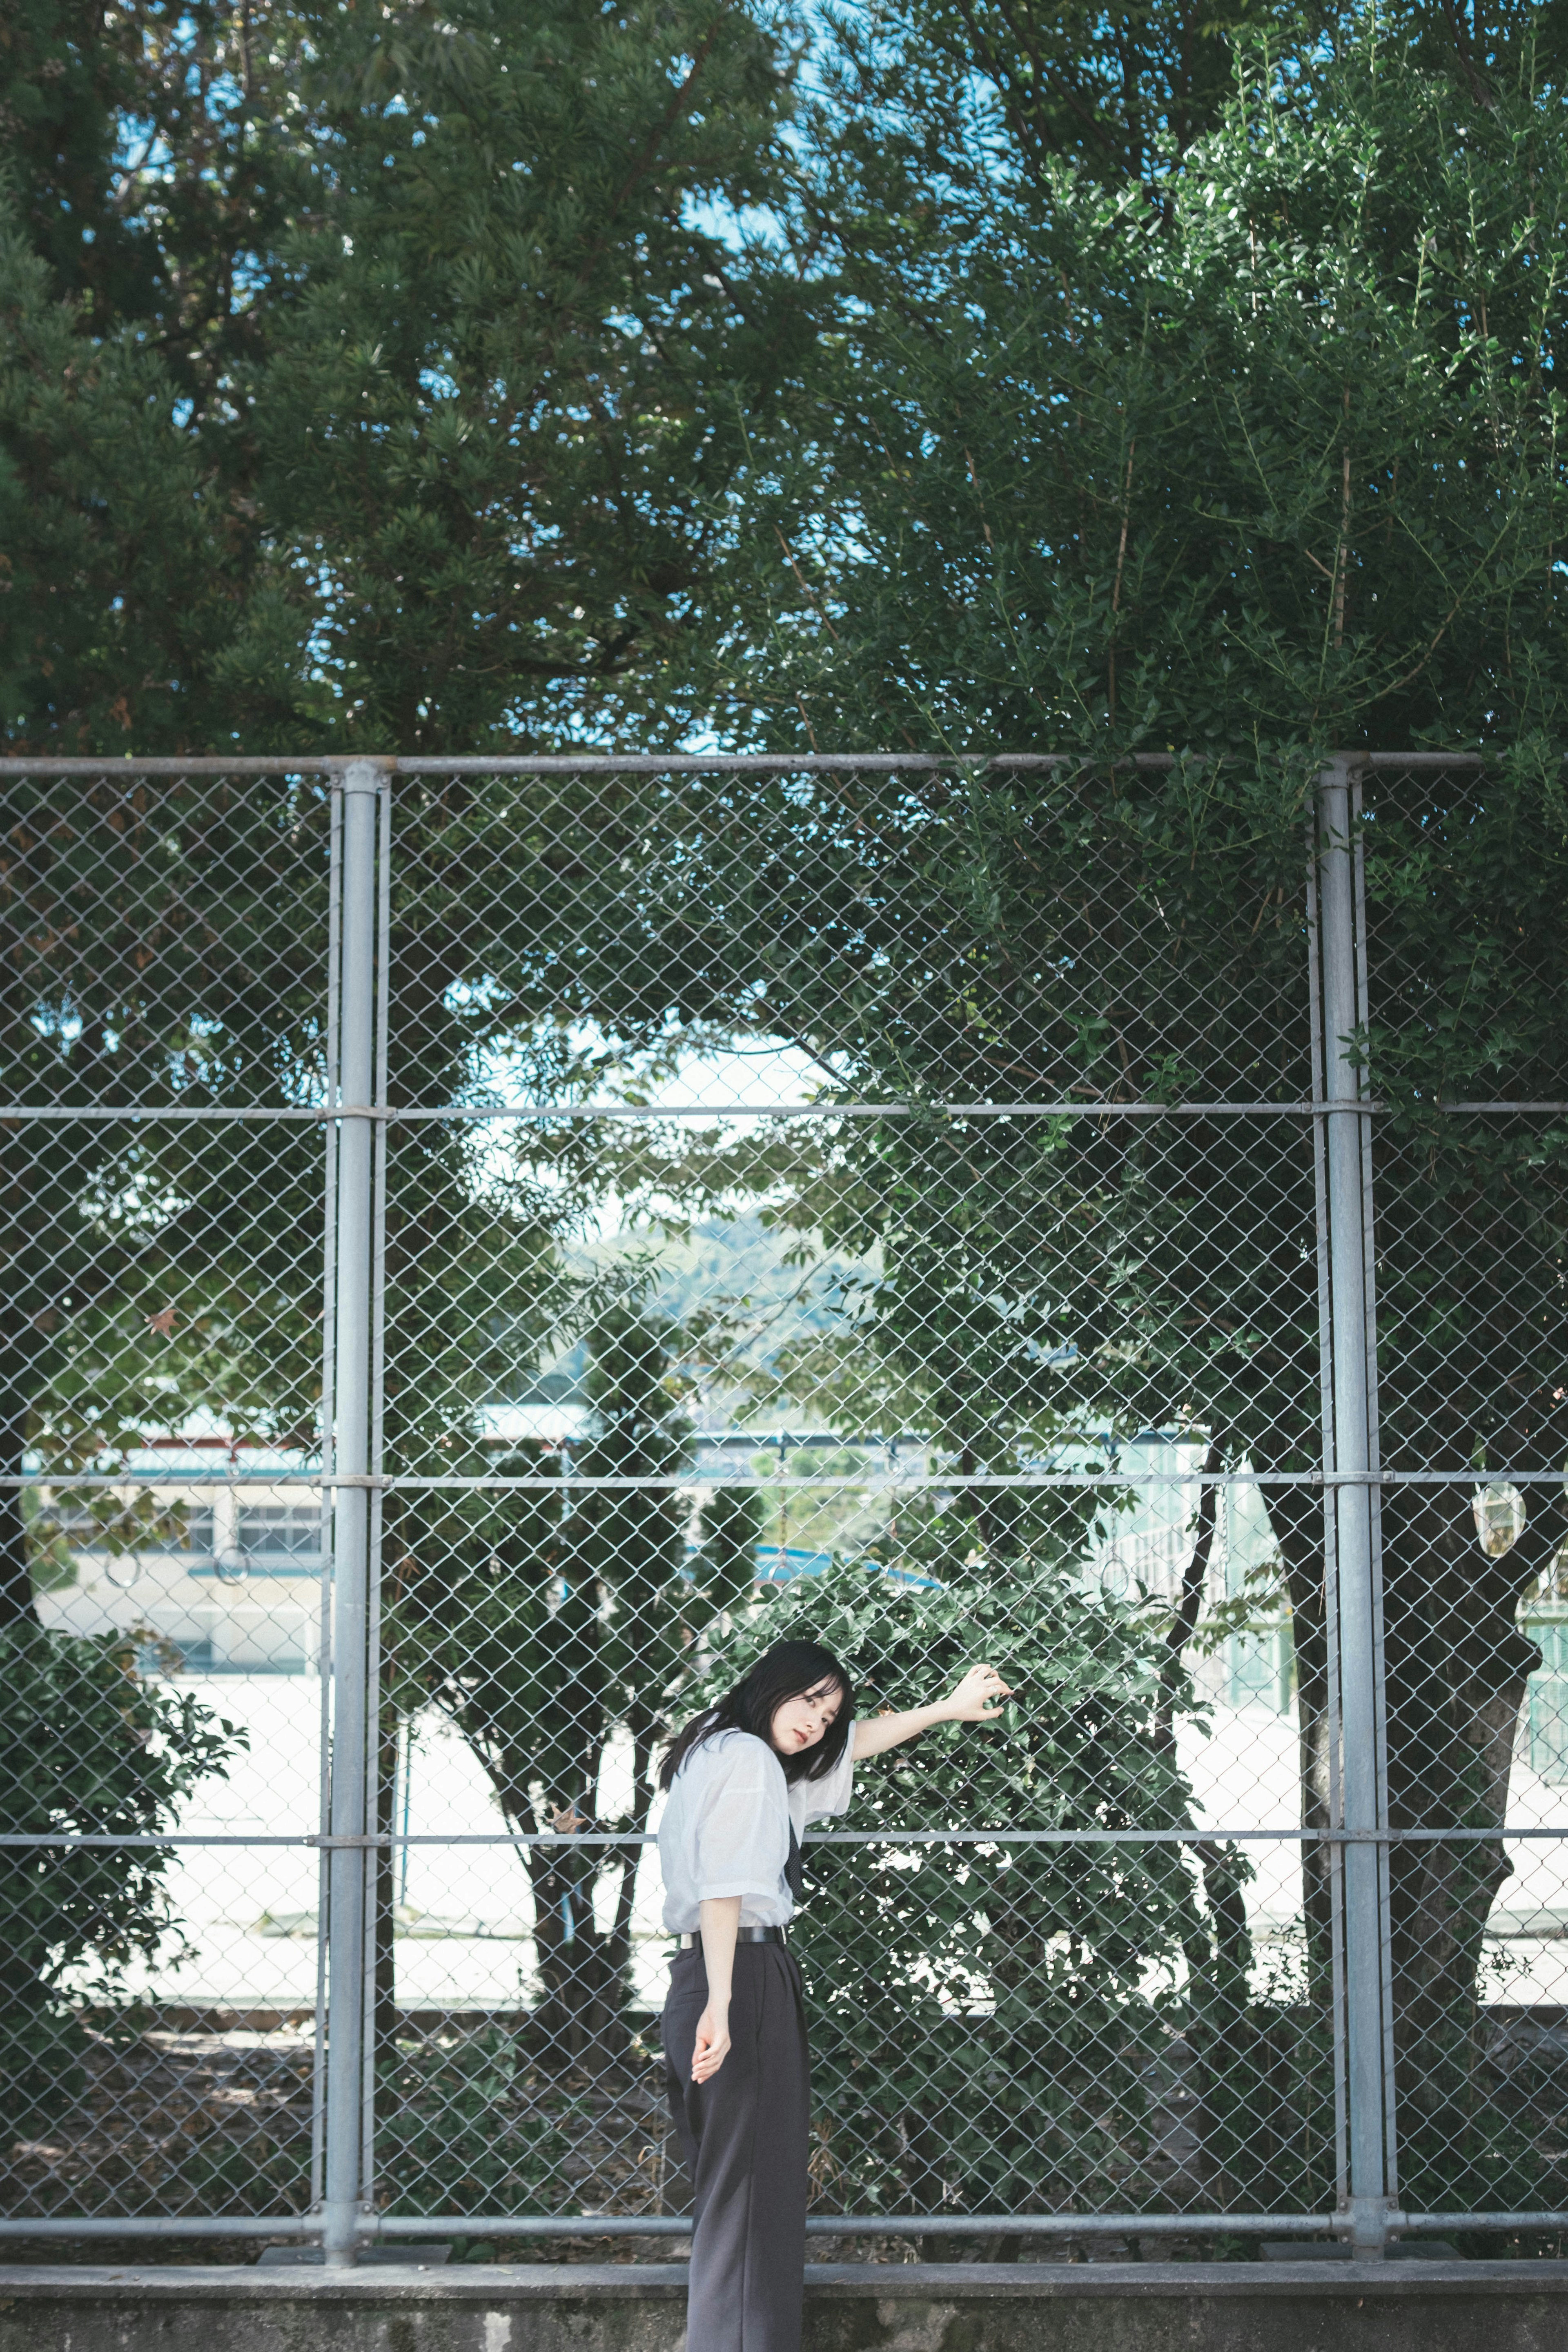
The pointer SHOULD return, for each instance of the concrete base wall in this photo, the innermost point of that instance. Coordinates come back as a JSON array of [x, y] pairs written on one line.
[[853, 2307]]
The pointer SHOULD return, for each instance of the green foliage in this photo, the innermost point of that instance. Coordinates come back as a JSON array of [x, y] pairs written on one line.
[[554, 1622], [380, 378], [146, 146], [1265, 467], [91, 1750], [152, 958], [563, 1614], [528, 384], [1124, 94], [120, 572], [731, 1525], [450, 2136], [1113, 93], [988, 2023], [1275, 461]]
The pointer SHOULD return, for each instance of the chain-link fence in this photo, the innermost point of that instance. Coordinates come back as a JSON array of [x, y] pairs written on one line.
[[493, 1243]]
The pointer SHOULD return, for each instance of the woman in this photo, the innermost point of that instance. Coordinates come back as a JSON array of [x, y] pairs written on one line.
[[745, 1779]]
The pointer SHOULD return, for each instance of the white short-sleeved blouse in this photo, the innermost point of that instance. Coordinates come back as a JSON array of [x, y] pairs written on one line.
[[726, 1828]]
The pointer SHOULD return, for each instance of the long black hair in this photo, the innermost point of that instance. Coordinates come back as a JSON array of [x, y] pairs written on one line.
[[787, 1671]]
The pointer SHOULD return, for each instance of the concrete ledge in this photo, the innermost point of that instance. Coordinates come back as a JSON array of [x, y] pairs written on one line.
[[1519, 2307]]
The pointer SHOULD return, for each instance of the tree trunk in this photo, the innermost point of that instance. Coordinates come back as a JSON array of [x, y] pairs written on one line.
[[571, 2028], [1223, 2029], [1457, 1666], [1456, 1669]]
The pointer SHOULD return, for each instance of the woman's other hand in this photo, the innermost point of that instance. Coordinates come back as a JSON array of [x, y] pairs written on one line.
[[978, 1699], [713, 2044], [719, 1919]]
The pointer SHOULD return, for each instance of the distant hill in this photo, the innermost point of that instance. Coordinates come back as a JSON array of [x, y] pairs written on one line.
[[731, 1271]]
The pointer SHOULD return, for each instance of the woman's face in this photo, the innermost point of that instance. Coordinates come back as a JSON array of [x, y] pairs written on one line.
[[801, 1722]]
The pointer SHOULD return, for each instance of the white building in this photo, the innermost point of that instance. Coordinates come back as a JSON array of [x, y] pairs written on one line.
[[234, 1586]]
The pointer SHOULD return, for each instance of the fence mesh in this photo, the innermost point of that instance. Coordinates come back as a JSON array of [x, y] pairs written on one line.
[[164, 1042], [1468, 1171], [895, 1200]]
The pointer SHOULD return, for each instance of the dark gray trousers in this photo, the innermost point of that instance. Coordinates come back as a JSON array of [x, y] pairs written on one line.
[[743, 2137]]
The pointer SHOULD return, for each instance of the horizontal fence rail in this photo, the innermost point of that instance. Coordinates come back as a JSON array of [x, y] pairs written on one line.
[[496, 1241]]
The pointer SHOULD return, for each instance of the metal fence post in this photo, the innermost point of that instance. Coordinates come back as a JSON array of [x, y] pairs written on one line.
[[349, 1869], [1356, 1565]]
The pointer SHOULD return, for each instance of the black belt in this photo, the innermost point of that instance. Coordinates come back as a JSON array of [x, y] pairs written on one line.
[[742, 1935]]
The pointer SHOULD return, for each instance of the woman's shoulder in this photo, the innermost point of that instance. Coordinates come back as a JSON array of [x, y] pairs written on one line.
[[731, 1752]]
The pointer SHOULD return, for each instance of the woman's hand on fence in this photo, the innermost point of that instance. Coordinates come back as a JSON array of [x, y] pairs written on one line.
[[978, 1699], [713, 2044]]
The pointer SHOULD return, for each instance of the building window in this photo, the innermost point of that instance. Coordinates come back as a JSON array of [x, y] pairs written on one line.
[[288, 1531], [115, 1531]]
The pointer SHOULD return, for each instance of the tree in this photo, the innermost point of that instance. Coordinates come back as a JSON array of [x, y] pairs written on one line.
[[1122, 93], [362, 383], [149, 958], [381, 382], [137, 226], [151, 961], [528, 384], [1253, 475], [559, 1630], [1274, 473], [94, 1751], [1111, 91]]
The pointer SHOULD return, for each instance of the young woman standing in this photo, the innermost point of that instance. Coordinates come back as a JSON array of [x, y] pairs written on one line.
[[745, 1779]]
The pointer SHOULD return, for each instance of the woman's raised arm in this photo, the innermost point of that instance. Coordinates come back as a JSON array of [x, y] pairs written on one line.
[[977, 1699]]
